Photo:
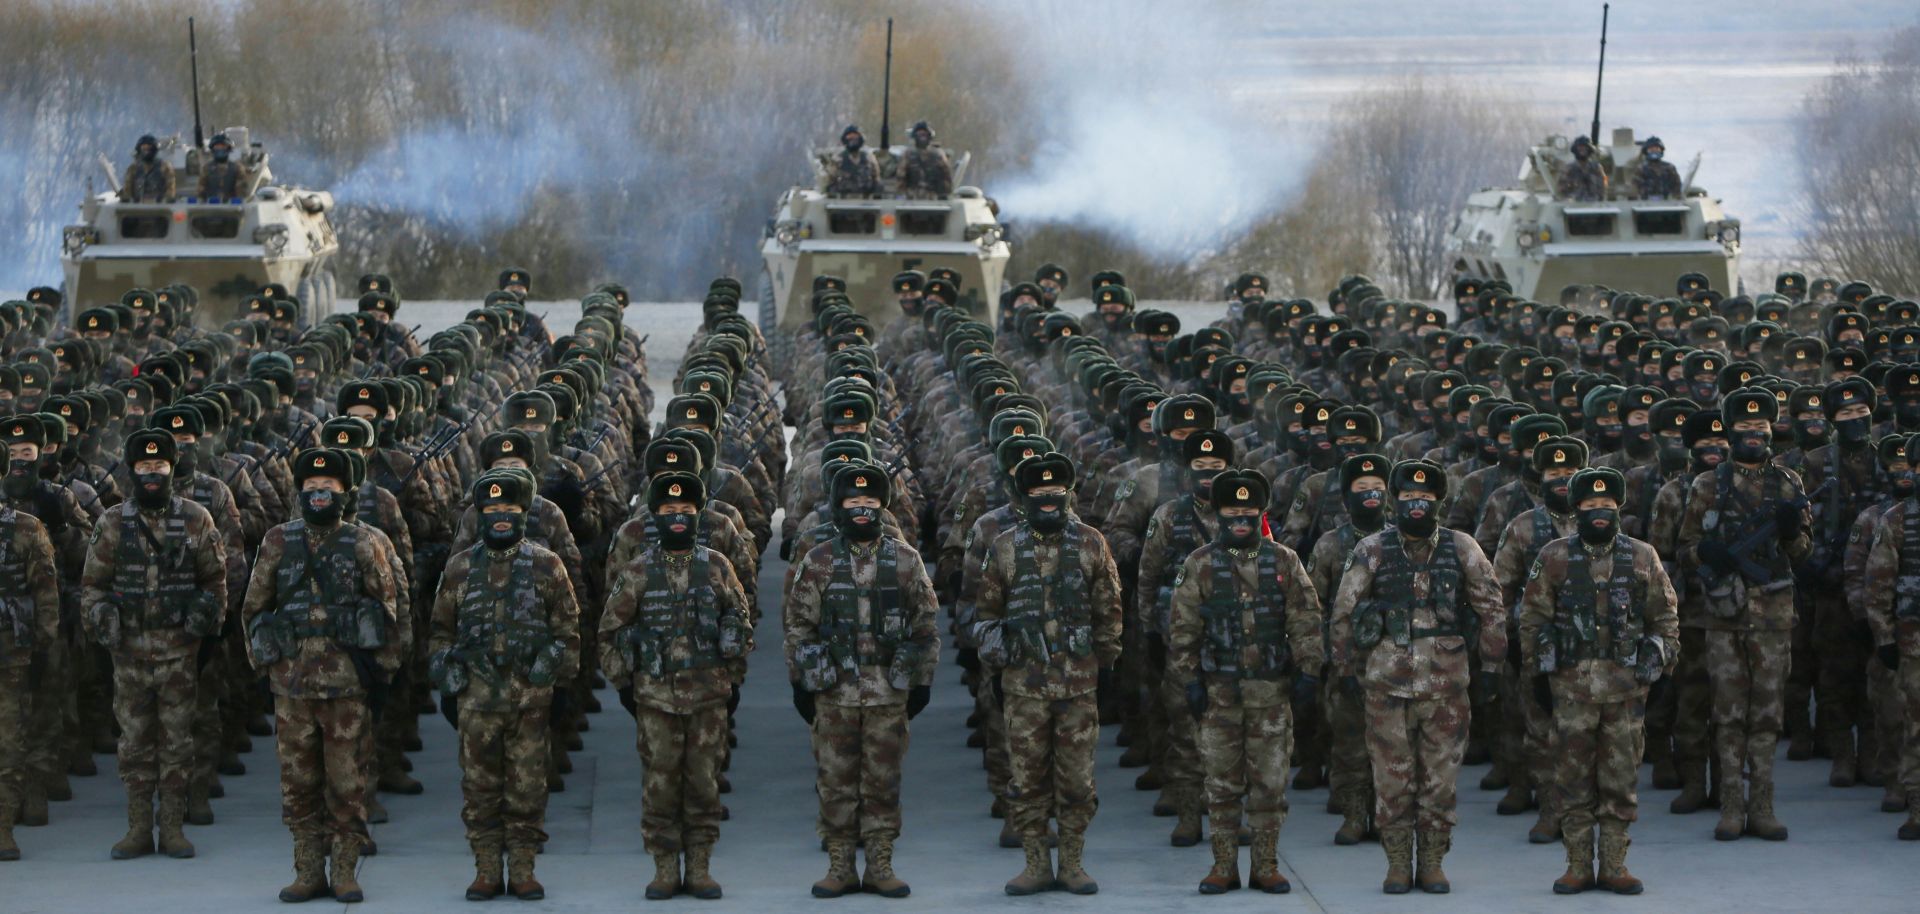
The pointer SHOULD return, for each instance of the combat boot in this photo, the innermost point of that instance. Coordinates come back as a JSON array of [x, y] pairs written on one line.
[[1579, 875], [1845, 770], [1693, 789], [487, 882], [309, 871], [230, 764], [879, 877], [1136, 756], [1546, 828], [1760, 819], [344, 870], [1799, 727], [1266, 863], [700, 883], [1433, 852], [666, 876], [1613, 860], [1072, 875], [33, 802], [376, 810], [394, 780], [199, 805], [1892, 800], [1910, 829], [1868, 765], [1398, 844], [1187, 831], [1665, 775], [1496, 777], [60, 790], [8, 849], [139, 839], [1225, 875], [1357, 807], [1008, 837], [1733, 813], [521, 883], [173, 813], [1149, 780], [1311, 777], [1519, 796], [840, 878], [1038, 876], [80, 762]]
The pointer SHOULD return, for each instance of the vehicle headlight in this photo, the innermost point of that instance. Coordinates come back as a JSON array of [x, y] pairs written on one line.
[[75, 239], [273, 238], [1729, 232]]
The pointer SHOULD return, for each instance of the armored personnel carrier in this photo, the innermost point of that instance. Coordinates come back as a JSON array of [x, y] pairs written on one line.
[[866, 240], [1540, 242], [226, 248]]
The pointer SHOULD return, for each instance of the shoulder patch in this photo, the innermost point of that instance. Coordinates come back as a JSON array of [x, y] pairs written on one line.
[[1125, 490], [1153, 526], [1180, 578]]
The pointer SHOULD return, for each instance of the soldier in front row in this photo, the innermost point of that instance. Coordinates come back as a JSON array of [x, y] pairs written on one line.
[[29, 630], [1893, 612], [1048, 630], [1417, 606], [154, 595], [322, 624], [1598, 628], [505, 629], [862, 642], [674, 623], [1245, 640]]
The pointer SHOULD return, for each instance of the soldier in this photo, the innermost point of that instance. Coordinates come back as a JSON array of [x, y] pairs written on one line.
[[1583, 180], [1847, 471], [1598, 628], [1363, 484], [1745, 524], [29, 631], [149, 179], [1409, 608], [674, 620], [505, 629], [154, 594], [223, 178], [862, 646], [1048, 630], [854, 172], [1656, 178], [322, 619], [927, 172], [1245, 638], [1893, 581]]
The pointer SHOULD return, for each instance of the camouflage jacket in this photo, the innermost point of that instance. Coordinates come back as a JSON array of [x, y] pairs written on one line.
[[696, 641], [1656, 180], [1426, 667], [926, 172], [1192, 633], [177, 557], [509, 617], [319, 666], [1768, 608], [29, 589], [719, 531], [148, 182], [873, 654], [1505, 504], [973, 564], [546, 528], [852, 174], [1600, 670], [1582, 182], [1161, 557], [1520, 544], [1051, 629], [1891, 595]]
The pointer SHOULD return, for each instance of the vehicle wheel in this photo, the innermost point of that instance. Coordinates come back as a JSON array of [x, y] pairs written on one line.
[[329, 298]]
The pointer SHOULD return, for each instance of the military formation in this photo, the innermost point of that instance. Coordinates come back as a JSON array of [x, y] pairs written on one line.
[[1355, 546]]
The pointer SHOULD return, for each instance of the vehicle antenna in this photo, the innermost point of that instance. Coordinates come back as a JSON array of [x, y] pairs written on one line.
[[193, 56], [886, 89], [1601, 79]]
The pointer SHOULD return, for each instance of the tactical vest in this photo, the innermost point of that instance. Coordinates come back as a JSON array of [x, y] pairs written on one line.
[[1187, 534], [1048, 614], [1906, 586], [201, 492], [149, 182], [1391, 615], [317, 593], [16, 598], [840, 609], [505, 626], [689, 618], [1225, 635], [1731, 509], [222, 179], [1574, 634], [153, 575]]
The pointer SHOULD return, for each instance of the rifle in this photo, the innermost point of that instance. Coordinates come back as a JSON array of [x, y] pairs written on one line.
[[603, 471], [1757, 538], [438, 446], [292, 443]]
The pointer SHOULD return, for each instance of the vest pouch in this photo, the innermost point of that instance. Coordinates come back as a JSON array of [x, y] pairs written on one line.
[[14, 617], [1026, 643], [201, 618], [1906, 597], [1648, 661], [104, 619], [1398, 624], [643, 648], [1220, 651], [816, 668], [1369, 624], [448, 672], [1077, 640], [363, 625], [1546, 648], [545, 668], [907, 659], [1727, 597]]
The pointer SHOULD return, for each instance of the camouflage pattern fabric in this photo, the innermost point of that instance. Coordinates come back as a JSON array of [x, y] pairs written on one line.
[[1598, 765], [1050, 745], [503, 776], [1416, 746], [679, 784], [323, 781], [859, 749], [1749, 676]]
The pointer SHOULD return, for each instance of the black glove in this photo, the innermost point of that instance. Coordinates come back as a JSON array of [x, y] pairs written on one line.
[[209, 648], [1196, 699], [1656, 691], [917, 699], [1350, 685], [1543, 693], [36, 670], [803, 702], [1890, 656], [1514, 658], [450, 709], [626, 700], [969, 660], [1103, 681], [1716, 556], [1156, 651], [1789, 519], [999, 694], [1306, 693], [1859, 630], [733, 698], [562, 707], [786, 549], [1485, 688]]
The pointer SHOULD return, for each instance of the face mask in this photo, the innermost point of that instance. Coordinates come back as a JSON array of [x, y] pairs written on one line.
[[502, 539], [147, 155], [1489, 450], [1608, 437], [1655, 156], [1902, 482], [1239, 532], [1367, 516], [1512, 461], [921, 142], [20, 478], [1043, 520], [853, 144], [1597, 525], [152, 491], [1751, 447], [862, 525], [1581, 153], [1706, 458], [303, 387], [1415, 516], [1342, 451], [1557, 495], [1703, 391], [1907, 412], [188, 461], [320, 507], [220, 155], [1639, 441], [1673, 455], [1202, 484], [676, 540], [1854, 432]]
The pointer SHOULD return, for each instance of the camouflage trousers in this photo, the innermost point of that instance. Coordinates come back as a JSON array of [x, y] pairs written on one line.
[[391, 726], [1050, 762], [1889, 724], [859, 751], [1245, 751], [1692, 690], [503, 777], [1416, 745], [1842, 644], [679, 785], [1909, 768], [1180, 759], [1529, 735], [1797, 695], [323, 782], [1598, 760], [1749, 673], [1349, 769], [156, 702], [208, 734], [993, 738], [47, 736], [15, 709]]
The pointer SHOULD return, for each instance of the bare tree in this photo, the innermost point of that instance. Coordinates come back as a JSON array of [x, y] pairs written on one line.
[[1859, 157]]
